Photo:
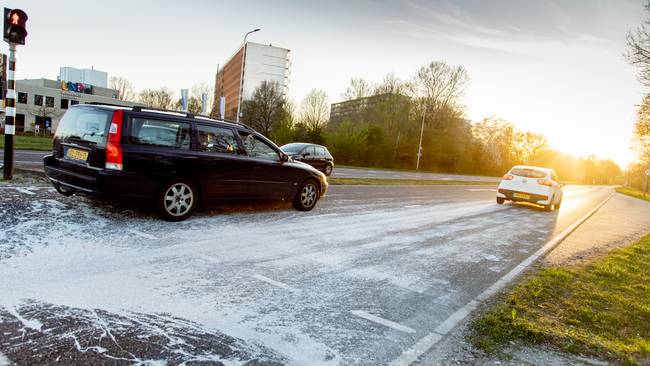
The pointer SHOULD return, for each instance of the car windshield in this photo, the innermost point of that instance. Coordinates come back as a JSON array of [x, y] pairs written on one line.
[[85, 125], [528, 173], [292, 148]]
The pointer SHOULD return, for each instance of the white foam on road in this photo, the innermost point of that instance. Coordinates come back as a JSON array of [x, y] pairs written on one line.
[[382, 321], [4, 361], [143, 234]]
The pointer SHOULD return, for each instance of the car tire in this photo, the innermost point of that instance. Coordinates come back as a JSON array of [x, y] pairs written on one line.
[[558, 205], [328, 170], [63, 190], [177, 199], [307, 196], [500, 200], [551, 206]]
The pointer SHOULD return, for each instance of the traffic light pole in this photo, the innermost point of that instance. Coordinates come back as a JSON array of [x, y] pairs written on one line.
[[10, 115]]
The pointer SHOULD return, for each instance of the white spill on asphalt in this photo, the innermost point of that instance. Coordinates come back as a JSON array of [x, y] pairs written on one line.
[[406, 263]]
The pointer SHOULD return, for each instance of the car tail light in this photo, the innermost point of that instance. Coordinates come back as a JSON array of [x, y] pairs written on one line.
[[508, 177], [544, 182], [113, 146]]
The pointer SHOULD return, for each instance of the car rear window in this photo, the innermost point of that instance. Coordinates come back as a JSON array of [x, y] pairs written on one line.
[[528, 173], [85, 125], [292, 148]]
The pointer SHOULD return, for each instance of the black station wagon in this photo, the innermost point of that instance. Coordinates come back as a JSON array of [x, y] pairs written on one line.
[[177, 159]]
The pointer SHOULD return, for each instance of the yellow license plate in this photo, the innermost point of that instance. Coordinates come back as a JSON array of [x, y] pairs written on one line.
[[521, 195], [77, 154]]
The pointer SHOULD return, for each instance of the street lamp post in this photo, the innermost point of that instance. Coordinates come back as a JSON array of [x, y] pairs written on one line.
[[424, 114], [241, 74]]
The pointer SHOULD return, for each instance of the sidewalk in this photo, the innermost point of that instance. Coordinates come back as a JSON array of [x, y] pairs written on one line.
[[621, 221]]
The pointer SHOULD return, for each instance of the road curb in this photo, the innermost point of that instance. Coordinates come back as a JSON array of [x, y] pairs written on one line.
[[412, 354]]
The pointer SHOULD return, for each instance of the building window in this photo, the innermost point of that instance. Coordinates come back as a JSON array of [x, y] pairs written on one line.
[[74, 102], [38, 99], [22, 98], [49, 102], [64, 103]]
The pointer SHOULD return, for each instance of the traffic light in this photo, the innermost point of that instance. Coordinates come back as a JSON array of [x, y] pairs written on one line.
[[15, 26]]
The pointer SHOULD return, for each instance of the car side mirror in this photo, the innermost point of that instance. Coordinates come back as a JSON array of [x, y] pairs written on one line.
[[284, 158]]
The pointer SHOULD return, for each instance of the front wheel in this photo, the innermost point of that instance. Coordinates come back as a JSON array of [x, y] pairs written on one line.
[[328, 170], [177, 199], [307, 196]]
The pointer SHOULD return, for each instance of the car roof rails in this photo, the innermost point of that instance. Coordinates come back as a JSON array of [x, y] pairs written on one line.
[[107, 104], [189, 115]]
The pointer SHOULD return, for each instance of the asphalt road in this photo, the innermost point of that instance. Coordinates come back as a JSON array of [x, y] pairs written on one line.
[[360, 280], [34, 160]]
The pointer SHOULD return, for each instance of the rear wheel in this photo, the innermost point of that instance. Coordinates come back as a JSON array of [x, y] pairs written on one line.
[[550, 206], [307, 196], [177, 199], [500, 200], [328, 169]]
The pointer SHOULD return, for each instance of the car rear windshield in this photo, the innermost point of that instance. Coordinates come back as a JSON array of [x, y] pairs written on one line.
[[292, 148], [85, 125], [528, 173]]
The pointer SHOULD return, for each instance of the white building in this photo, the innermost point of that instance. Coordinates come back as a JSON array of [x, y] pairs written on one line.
[[41, 103], [261, 63]]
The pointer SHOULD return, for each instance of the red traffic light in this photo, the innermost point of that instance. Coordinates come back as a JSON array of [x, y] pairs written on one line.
[[15, 26]]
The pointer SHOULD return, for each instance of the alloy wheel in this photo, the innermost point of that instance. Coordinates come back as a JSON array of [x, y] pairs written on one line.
[[178, 199]]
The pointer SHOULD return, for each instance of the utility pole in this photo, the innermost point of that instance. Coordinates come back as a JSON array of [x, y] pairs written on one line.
[[424, 113], [14, 32], [241, 74]]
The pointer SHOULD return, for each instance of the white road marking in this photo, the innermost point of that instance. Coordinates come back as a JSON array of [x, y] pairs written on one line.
[[480, 189], [382, 321], [423, 345], [274, 283], [25, 191], [144, 235], [4, 361], [411, 206]]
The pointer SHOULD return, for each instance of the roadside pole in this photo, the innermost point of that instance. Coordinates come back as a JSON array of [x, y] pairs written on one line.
[[417, 165], [10, 115]]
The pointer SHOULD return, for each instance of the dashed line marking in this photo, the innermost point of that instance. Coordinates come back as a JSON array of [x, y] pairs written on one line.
[[481, 189], [411, 206], [382, 321], [141, 234], [274, 283]]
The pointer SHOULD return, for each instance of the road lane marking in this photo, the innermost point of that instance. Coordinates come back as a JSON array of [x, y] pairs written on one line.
[[141, 234], [382, 321], [480, 189], [411, 206], [274, 283], [426, 343]]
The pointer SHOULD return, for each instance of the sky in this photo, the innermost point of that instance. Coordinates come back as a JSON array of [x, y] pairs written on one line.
[[549, 66]]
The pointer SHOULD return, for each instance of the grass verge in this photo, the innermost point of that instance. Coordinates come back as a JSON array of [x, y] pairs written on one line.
[[600, 309], [27, 142], [633, 192], [397, 182]]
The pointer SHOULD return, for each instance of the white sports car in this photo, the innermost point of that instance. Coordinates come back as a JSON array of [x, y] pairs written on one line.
[[531, 184]]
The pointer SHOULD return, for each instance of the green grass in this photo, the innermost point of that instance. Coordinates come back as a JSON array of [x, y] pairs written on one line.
[[602, 308], [630, 191], [395, 182], [27, 142], [409, 170]]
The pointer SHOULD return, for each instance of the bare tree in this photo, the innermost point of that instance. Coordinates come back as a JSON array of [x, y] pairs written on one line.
[[264, 110], [157, 98], [641, 139], [359, 88], [315, 110], [390, 85], [440, 85], [42, 111], [638, 49], [124, 88]]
